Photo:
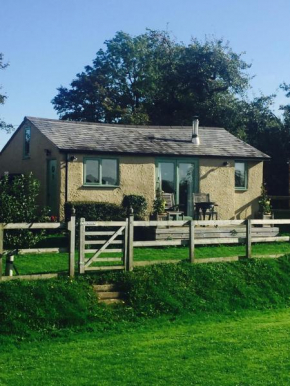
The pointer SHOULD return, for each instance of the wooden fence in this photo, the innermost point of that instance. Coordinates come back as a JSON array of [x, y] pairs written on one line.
[[10, 254], [127, 229], [98, 238]]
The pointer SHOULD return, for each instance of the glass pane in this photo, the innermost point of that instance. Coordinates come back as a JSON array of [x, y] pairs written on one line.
[[27, 142], [240, 175], [109, 172], [166, 175], [92, 171], [186, 180]]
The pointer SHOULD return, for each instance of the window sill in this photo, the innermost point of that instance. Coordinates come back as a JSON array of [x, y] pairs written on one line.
[[241, 189], [100, 186], [26, 157]]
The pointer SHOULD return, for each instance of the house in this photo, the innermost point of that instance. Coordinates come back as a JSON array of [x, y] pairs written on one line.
[[80, 161]]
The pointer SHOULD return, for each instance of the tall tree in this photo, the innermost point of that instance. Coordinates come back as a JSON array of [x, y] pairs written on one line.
[[3, 125], [153, 79]]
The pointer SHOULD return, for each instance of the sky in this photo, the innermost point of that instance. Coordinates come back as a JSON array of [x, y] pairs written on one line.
[[47, 42]]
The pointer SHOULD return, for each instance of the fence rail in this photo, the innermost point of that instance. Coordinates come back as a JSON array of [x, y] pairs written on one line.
[[70, 226], [99, 239]]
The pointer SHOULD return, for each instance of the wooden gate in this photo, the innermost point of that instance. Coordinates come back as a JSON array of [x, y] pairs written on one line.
[[96, 243]]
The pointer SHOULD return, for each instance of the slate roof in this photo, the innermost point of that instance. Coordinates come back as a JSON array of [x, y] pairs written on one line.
[[146, 140]]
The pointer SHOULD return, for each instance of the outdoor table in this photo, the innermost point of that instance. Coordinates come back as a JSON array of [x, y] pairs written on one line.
[[203, 206]]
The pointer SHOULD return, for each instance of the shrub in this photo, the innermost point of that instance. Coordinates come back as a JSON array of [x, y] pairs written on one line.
[[138, 203], [18, 195], [95, 211]]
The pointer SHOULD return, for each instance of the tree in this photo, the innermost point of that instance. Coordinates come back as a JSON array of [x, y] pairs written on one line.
[[3, 125], [152, 79]]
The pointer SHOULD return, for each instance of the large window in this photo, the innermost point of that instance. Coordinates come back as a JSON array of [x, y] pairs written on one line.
[[101, 171], [26, 147], [241, 175]]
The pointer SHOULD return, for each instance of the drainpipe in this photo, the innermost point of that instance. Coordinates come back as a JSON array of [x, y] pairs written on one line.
[[195, 137]]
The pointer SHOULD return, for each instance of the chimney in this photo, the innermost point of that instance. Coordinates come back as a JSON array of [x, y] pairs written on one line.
[[195, 136]]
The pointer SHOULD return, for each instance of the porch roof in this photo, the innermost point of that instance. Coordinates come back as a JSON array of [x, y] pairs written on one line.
[[147, 140]]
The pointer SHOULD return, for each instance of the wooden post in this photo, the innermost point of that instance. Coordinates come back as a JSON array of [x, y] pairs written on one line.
[[82, 247], [249, 239], [125, 245], [9, 265], [191, 241], [130, 258], [72, 243], [1, 249]]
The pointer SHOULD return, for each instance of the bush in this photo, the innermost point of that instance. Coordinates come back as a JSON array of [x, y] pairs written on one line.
[[95, 211], [138, 203], [18, 195]]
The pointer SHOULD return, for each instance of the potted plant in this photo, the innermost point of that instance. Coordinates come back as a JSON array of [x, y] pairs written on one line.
[[265, 207], [159, 205]]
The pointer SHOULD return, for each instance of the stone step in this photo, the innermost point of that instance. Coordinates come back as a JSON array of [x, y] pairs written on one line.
[[104, 287], [112, 301], [110, 295]]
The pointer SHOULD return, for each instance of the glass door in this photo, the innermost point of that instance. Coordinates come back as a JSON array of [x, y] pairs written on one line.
[[186, 171], [178, 177]]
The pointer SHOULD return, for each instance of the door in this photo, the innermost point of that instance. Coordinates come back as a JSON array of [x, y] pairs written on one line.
[[52, 201], [178, 177]]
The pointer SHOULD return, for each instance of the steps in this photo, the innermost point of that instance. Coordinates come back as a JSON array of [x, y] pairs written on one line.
[[109, 294]]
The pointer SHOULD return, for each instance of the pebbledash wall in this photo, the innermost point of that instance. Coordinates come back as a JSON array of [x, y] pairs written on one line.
[[137, 176]]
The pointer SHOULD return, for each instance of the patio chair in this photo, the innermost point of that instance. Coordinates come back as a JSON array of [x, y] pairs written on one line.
[[171, 208], [203, 210]]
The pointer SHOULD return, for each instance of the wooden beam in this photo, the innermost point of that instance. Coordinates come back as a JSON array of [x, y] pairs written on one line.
[[249, 239], [191, 241]]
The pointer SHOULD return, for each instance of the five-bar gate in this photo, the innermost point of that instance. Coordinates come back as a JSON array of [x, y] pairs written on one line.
[[99, 239]]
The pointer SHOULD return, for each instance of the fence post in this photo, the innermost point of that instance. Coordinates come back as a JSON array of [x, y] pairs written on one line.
[[72, 242], [9, 265], [130, 256], [125, 245], [82, 247], [249, 239], [191, 241], [1, 249]]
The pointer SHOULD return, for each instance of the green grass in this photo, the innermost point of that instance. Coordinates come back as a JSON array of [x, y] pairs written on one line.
[[52, 263], [248, 349]]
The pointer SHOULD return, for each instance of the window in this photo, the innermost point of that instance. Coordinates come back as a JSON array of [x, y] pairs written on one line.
[[241, 175], [101, 171], [26, 147]]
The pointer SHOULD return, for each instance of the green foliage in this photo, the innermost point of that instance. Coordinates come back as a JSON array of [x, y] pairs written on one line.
[[265, 201], [4, 125], [159, 205], [167, 289], [138, 204], [45, 305], [225, 287], [151, 78], [95, 211], [18, 197]]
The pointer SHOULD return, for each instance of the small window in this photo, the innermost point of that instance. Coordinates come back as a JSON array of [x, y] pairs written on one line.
[[101, 171], [27, 137], [241, 175]]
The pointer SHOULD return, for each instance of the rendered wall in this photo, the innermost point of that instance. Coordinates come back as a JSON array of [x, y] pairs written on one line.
[[12, 161], [137, 176], [219, 181]]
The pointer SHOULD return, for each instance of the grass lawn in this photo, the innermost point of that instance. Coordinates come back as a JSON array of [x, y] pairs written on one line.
[[51, 263], [252, 348]]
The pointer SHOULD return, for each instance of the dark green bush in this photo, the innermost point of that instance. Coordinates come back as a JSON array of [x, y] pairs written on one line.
[[18, 203], [95, 211], [138, 203]]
